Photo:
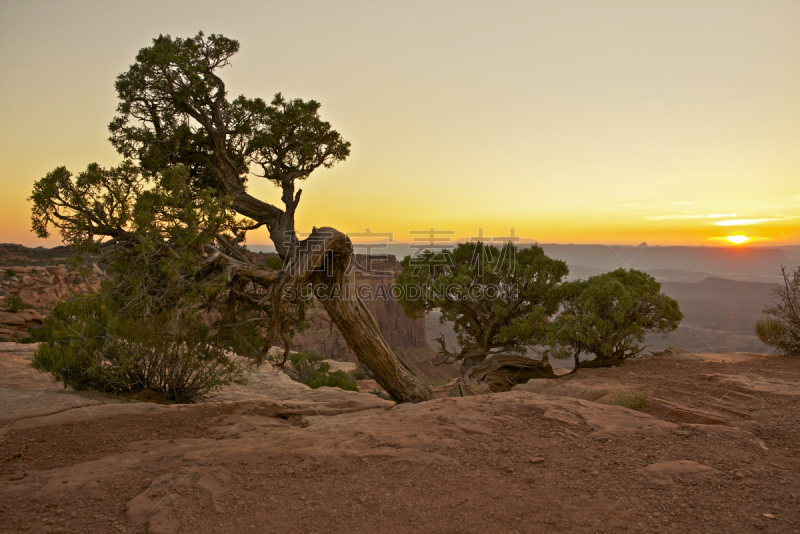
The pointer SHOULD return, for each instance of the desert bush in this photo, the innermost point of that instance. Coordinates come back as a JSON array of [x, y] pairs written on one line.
[[608, 315], [633, 398], [10, 273], [88, 346], [315, 373], [360, 374], [13, 304], [780, 326], [499, 301]]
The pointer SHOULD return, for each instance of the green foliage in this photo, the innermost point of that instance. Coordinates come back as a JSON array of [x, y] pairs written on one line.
[[274, 262], [165, 220], [633, 398], [13, 304], [359, 374], [498, 300], [315, 373], [87, 344], [608, 315], [780, 326], [171, 103], [290, 137], [10, 273], [160, 236]]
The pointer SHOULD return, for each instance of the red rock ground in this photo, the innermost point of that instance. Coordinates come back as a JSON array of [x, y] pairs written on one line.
[[718, 455]]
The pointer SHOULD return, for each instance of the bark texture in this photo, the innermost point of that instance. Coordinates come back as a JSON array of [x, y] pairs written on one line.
[[499, 373], [325, 260]]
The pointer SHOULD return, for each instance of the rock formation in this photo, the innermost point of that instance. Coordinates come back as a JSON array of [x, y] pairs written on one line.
[[39, 288]]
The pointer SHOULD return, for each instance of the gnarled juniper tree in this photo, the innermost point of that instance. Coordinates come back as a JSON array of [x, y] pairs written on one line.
[[608, 315], [171, 219], [500, 302]]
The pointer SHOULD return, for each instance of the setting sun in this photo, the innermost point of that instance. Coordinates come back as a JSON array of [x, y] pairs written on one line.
[[738, 239]]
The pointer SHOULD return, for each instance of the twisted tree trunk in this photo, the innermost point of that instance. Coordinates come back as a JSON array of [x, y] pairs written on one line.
[[325, 260], [359, 329], [498, 373], [326, 257]]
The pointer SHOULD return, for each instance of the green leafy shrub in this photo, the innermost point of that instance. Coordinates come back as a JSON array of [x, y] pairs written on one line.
[[85, 345], [13, 304], [360, 374], [633, 398], [609, 315], [315, 373]]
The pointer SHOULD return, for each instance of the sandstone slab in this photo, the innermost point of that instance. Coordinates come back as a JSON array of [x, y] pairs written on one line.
[[680, 412], [752, 383], [580, 385], [664, 473], [603, 421], [15, 404], [728, 357], [12, 319], [731, 432]]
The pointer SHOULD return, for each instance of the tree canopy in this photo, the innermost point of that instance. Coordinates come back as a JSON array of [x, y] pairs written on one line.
[[505, 302], [499, 300], [608, 315], [172, 218]]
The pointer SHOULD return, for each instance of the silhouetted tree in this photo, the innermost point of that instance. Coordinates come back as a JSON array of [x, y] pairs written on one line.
[[780, 326]]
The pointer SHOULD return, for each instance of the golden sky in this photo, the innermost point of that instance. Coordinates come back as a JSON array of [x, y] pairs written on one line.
[[594, 121]]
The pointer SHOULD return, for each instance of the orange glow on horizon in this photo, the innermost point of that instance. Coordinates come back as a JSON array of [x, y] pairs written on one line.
[[622, 159], [738, 239]]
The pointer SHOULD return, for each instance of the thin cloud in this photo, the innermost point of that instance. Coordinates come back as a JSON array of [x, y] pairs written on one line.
[[743, 222], [749, 222], [692, 216]]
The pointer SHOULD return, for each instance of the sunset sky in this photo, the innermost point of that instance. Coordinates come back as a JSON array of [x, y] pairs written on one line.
[[591, 121]]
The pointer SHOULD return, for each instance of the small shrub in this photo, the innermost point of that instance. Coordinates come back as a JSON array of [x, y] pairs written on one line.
[[85, 346], [780, 326], [14, 304], [315, 373], [633, 398], [10, 273], [360, 374]]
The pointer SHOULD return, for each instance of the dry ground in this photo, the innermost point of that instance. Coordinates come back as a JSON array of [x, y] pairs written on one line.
[[520, 461]]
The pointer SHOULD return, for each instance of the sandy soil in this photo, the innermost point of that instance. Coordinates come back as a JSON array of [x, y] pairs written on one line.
[[717, 449]]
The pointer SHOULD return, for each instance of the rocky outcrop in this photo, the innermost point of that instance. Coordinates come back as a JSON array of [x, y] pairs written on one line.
[[664, 473], [38, 288]]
